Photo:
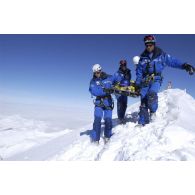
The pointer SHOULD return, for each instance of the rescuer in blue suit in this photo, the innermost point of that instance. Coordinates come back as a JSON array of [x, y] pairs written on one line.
[[122, 77], [100, 87], [149, 76]]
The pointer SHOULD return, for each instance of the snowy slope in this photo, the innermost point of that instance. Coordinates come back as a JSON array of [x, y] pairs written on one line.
[[171, 135], [36, 132], [18, 134]]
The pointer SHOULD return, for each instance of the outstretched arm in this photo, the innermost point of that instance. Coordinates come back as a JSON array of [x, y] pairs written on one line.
[[175, 63]]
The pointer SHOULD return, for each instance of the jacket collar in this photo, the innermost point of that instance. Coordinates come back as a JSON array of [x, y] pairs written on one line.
[[102, 76], [122, 71], [156, 53]]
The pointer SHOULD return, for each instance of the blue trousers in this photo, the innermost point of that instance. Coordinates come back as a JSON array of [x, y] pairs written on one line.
[[99, 113], [121, 106], [149, 102]]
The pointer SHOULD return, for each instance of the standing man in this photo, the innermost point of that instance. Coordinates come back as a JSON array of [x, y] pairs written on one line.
[[149, 76], [100, 86], [122, 77]]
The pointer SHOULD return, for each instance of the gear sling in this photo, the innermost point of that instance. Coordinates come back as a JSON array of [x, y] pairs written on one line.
[[151, 76], [101, 103]]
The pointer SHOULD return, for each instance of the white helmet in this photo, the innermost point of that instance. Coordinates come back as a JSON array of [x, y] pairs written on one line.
[[96, 68], [136, 60]]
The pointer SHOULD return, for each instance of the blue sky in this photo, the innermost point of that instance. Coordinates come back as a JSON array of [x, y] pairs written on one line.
[[56, 69]]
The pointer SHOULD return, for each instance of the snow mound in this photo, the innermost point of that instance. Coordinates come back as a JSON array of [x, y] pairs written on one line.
[[170, 136]]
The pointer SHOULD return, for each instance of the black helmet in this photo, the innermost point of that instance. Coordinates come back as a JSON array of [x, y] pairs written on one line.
[[149, 39], [123, 62]]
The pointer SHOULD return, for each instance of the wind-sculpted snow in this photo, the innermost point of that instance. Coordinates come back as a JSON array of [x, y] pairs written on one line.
[[170, 136]]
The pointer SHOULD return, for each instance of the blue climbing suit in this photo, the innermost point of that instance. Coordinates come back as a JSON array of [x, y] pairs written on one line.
[[149, 79], [123, 78], [103, 105]]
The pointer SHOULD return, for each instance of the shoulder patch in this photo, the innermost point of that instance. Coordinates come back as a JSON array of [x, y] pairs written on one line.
[[92, 85], [97, 83]]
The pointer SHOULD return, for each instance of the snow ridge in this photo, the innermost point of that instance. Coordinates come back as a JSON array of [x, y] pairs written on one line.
[[170, 136]]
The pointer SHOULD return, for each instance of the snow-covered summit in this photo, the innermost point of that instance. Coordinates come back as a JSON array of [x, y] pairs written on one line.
[[171, 135]]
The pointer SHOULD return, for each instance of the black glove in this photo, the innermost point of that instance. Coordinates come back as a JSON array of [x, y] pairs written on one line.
[[108, 91], [137, 87], [189, 68]]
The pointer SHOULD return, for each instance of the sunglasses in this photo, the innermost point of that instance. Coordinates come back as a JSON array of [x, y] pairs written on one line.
[[149, 45], [98, 72]]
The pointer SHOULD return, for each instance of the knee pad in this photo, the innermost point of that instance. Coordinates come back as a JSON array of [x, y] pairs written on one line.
[[152, 101]]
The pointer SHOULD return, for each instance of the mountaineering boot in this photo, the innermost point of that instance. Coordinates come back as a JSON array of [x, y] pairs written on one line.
[[139, 125], [96, 143], [152, 116], [122, 121], [106, 140]]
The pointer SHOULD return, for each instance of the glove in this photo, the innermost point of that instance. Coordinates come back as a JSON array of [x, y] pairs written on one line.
[[108, 91], [137, 87], [189, 68]]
